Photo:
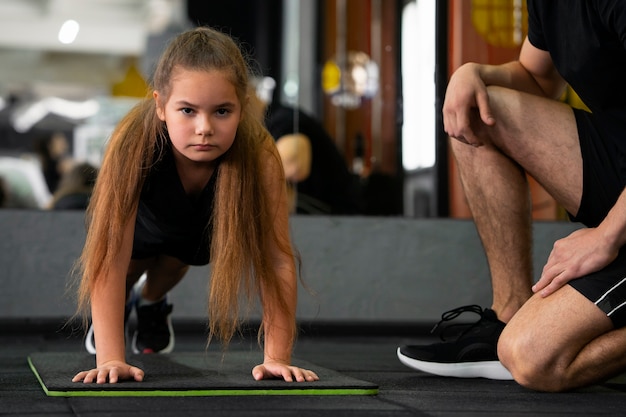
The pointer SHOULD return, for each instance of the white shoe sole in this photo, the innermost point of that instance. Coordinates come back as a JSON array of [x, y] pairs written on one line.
[[89, 341], [487, 369]]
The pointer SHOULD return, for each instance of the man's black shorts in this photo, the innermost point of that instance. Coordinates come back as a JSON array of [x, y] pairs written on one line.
[[602, 185]]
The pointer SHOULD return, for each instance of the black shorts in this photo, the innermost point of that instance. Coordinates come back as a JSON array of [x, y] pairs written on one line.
[[187, 254], [607, 289], [190, 248], [602, 182], [602, 185]]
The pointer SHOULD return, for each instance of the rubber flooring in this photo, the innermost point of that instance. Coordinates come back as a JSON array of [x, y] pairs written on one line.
[[366, 355]]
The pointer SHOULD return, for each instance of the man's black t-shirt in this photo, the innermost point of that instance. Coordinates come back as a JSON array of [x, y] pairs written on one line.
[[586, 40]]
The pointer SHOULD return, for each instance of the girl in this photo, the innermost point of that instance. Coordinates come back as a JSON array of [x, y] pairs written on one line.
[[190, 175]]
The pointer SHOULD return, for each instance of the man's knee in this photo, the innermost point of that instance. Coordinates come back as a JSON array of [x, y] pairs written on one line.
[[507, 108], [529, 363]]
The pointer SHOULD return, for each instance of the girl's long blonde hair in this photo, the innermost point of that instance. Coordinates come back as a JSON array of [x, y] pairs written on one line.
[[243, 234]]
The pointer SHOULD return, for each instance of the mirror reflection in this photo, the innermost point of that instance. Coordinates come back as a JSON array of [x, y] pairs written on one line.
[[348, 90]]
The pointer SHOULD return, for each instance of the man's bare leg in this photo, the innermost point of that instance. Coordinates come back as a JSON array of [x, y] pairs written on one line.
[[498, 196], [532, 135], [561, 342]]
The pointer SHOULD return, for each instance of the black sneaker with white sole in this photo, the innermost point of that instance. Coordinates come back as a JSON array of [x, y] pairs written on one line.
[[154, 332], [473, 354]]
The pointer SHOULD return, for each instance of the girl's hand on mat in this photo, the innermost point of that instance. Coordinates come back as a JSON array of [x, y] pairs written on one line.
[[275, 369], [111, 372]]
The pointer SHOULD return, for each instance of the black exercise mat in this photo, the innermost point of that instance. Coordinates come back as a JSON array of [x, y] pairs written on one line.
[[187, 374]]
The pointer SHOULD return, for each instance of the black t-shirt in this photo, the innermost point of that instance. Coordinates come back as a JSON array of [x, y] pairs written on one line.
[[330, 187], [586, 40], [169, 221]]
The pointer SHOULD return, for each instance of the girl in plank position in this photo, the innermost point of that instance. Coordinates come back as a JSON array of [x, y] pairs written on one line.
[[190, 175]]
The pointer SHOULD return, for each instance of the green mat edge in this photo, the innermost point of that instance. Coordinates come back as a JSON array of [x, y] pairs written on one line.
[[201, 393]]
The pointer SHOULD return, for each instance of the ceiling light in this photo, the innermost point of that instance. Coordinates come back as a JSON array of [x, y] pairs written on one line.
[[69, 31]]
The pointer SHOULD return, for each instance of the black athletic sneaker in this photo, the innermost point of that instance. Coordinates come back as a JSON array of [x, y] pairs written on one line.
[[154, 332], [473, 354]]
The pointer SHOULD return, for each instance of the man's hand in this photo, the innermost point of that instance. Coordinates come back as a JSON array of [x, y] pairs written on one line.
[[581, 253], [466, 94]]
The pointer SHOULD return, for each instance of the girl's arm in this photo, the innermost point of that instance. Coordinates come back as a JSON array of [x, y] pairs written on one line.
[[108, 299], [278, 324], [278, 328]]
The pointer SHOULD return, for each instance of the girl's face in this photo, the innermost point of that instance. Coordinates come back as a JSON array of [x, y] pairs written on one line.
[[202, 114]]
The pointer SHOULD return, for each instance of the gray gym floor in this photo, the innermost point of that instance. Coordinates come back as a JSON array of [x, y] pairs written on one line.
[[360, 352]]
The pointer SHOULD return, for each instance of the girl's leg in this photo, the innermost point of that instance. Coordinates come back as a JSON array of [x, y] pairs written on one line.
[[155, 333], [163, 273], [136, 269]]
